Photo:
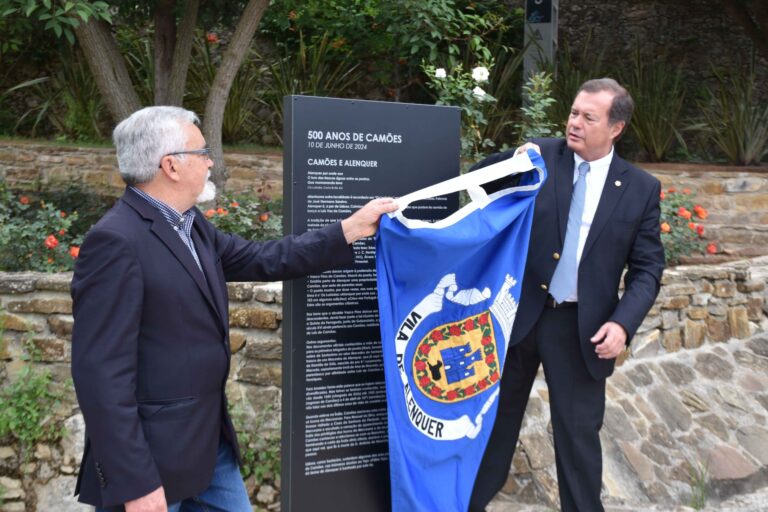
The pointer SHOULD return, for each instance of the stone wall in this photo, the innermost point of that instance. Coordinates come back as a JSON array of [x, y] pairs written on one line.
[[698, 368], [34, 167]]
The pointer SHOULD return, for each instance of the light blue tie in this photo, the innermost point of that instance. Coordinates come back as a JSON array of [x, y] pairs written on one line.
[[563, 283]]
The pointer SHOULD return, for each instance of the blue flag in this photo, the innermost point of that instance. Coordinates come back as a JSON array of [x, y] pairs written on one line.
[[448, 295]]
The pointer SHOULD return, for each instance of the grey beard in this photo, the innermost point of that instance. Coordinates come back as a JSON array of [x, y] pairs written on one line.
[[208, 193]]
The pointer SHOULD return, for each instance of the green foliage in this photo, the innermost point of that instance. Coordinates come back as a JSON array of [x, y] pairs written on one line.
[[536, 120], [35, 235], [658, 92], [699, 474], [504, 85], [59, 16], [26, 409], [309, 71], [734, 119], [681, 228], [460, 88], [574, 67], [248, 217], [259, 446], [68, 100]]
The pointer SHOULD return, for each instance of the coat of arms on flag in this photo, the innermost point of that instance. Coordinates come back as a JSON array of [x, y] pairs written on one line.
[[448, 295]]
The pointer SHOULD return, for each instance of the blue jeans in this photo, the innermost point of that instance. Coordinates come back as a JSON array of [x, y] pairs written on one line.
[[225, 493]]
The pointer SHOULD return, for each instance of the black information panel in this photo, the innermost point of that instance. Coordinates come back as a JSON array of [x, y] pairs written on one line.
[[338, 155]]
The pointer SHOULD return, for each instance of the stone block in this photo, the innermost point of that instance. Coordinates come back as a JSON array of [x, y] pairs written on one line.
[[670, 318], [676, 302], [672, 340], [693, 334], [13, 488], [697, 313], [654, 453], [14, 506], [734, 398], [754, 440], [621, 382], [50, 349], [711, 366], [61, 325], [56, 495], [694, 401], [59, 282], [255, 318], [11, 322], [726, 463], [671, 409], [752, 285], [262, 373], [715, 425], [724, 289], [738, 322], [647, 344], [41, 305], [618, 424], [637, 461], [759, 345], [539, 450], [744, 184], [236, 341], [678, 289], [16, 282], [678, 374], [239, 291], [264, 348], [717, 329], [640, 375], [755, 308], [717, 308]]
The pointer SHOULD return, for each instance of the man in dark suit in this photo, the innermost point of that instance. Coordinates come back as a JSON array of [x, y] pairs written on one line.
[[595, 215], [150, 346]]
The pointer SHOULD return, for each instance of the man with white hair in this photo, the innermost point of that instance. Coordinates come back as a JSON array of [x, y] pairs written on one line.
[[150, 345]]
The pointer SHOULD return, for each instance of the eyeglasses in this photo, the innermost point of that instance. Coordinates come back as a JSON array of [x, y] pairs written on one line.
[[206, 152]]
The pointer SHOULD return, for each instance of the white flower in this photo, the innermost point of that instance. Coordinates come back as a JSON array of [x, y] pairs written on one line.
[[477, 91], [440, 73], [480, 74]]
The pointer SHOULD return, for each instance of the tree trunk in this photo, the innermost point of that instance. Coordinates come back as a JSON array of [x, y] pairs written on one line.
[[165, 40], [217, 97], [183, 53], [108, 68]]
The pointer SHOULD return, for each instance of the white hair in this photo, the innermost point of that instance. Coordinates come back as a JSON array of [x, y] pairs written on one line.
[[146, 136]]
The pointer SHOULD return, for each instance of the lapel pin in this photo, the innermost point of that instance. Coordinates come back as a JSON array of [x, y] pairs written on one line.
[[617, 183]]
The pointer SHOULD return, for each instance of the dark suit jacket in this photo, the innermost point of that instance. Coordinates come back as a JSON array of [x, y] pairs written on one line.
[[150, 346], [624, 233]]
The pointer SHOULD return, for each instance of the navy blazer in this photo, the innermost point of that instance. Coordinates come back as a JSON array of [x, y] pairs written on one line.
[[625, 233], [150, 344]]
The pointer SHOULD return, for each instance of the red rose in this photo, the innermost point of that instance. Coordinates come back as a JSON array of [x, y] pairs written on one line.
[[661, 195], [51, 242], [451, 395], [686, 191], [234, 204], [212, 38], [420, 365], [24, 200], [671, 190], [424, 349], [684, 213], [469, 390], [264, 217], [455, 330], [486, 340], [210, 213], [435, 391], [436, 336], [74, 251], [482, 384], [483, 319], [711, 248], [62, 232], [490, 358], [494, 376], [469, 325], [700, 230], [63, 214], [424, 381]]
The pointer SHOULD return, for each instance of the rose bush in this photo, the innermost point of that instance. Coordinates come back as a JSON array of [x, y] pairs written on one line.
[[35, 234], [247, 216], [682, 231]]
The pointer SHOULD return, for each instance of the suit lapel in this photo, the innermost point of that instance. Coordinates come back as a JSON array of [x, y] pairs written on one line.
[[563, 189], [608, 200], [163, 230], [209, 266]]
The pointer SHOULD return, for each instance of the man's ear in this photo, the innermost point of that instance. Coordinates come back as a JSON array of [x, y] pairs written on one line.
[[616, 130], [168, 167]]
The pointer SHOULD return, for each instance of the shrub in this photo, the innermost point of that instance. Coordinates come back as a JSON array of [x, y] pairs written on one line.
[[247, 216], [681, 227], [35, 235], [26, 409], [537, 121]]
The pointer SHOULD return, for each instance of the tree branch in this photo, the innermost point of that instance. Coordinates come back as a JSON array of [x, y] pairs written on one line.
[[165, 39], [183, 52]]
